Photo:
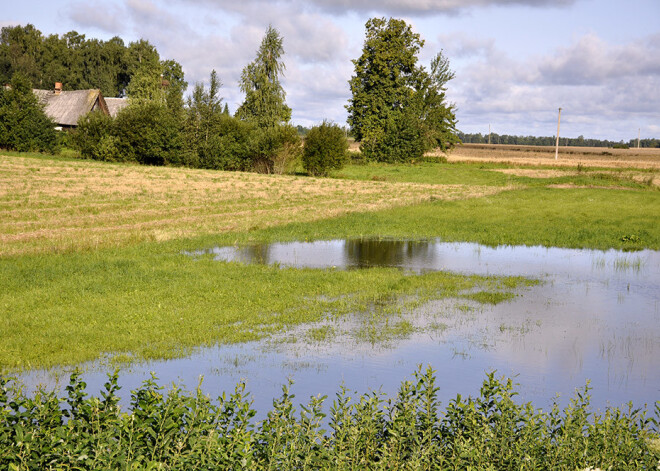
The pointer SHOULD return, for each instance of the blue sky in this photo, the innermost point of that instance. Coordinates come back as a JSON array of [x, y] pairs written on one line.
[[516, 61]]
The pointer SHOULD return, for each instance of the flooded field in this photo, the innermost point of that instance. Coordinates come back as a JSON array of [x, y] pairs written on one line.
[[595, 316]]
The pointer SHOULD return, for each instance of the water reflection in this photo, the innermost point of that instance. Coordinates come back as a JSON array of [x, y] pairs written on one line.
[[386, 253], [596, 317]]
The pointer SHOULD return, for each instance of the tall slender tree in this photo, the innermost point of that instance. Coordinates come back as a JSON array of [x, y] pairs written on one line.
[[264, 102]]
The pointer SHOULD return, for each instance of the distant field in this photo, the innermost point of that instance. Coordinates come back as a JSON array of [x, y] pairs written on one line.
[[568, 156]]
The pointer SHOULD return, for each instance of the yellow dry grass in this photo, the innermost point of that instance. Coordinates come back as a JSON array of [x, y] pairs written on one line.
[[56, 206], [568, 156]]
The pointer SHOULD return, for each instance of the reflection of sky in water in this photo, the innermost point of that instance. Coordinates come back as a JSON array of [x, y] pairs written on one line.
[[597, 317]]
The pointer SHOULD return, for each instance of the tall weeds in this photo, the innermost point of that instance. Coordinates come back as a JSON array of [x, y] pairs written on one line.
[[179, 430]]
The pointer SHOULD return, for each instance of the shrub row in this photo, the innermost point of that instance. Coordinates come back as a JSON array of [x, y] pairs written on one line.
[[178, 430], [149, 133]]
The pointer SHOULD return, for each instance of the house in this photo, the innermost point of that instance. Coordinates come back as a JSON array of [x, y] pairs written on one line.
[[66, 107], [115, 105]]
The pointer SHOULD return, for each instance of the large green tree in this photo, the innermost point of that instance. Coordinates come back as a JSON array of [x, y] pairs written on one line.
[[398, 109], [264, 103]]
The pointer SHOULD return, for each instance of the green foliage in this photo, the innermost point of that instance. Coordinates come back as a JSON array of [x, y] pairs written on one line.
[[325, 148], [228, 146], [148, 133], [94, 137], [23, 124], [179, 430], [264, 103], [81, 63], [398, 109], [275, 149]]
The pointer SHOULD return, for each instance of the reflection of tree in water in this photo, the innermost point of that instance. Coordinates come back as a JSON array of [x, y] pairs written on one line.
[[374, 253], [258, 253]]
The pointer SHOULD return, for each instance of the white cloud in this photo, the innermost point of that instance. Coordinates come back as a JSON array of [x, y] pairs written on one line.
[[399, 7], [592, 80]]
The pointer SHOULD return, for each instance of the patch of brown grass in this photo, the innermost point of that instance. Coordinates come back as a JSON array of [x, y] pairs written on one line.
[[568, 156], [56, 206]]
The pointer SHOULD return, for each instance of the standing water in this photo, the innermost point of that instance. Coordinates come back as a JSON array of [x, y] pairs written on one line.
[[595, 317]]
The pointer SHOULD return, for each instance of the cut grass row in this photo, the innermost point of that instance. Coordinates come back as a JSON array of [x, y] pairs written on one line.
[[66, 205]]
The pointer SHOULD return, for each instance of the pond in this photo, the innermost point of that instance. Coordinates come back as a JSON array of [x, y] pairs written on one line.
[[595, 316]]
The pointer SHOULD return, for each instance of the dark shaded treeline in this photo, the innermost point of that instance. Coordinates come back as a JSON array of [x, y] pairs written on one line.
[[579, 141]]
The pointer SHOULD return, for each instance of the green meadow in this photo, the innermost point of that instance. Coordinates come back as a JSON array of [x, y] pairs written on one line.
[[134, 293]]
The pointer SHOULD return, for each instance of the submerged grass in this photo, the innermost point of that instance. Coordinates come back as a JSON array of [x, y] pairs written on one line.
[[489, 297], [152, 302]]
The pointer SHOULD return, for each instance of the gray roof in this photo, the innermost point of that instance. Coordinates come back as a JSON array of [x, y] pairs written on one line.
[[115, 105], [66, 107]]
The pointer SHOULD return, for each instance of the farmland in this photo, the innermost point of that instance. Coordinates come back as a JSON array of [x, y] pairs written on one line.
[[80, 238]]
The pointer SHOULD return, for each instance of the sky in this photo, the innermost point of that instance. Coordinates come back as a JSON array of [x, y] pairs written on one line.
[[516, 61]]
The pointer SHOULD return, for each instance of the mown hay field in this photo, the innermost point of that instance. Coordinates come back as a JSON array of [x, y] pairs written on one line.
[[568, 156], [50, 205]]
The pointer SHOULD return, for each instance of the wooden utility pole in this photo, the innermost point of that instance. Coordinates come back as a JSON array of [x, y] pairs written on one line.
[[489, 134], [639, 134], [557, 144]]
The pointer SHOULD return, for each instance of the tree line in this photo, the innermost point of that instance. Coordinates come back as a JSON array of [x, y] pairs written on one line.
[[580, 141], [397, 112], [77, 62]]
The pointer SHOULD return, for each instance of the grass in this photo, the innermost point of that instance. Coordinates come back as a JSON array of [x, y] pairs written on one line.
[[500, 174], [64, 205], [572, 218], [91, 259], [151, 301], [568, 156]]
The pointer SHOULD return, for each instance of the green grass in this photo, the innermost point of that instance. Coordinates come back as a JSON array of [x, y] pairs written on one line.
[[484, 173], [428, 172], [572, 218], [151, 301], [488, 297]]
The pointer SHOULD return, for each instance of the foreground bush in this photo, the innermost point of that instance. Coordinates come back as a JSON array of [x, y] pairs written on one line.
[[177, 430], [325, 148]]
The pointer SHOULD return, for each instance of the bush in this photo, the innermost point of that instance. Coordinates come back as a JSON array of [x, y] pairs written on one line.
[[94, 137], [275, 149], [228, 146], [149, 133], [179, 430], [24, 125], [400, 140], [326, 148]]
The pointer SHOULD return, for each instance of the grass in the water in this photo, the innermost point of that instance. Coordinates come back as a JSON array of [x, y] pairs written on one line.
[[489, 297], [152, 302]]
